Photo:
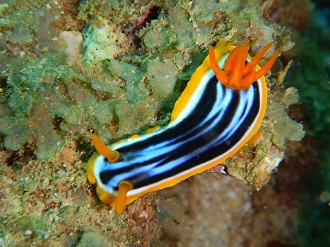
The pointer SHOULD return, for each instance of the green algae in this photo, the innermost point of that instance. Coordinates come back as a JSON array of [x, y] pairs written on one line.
[[166, 72], [95, 238], [101, 41]]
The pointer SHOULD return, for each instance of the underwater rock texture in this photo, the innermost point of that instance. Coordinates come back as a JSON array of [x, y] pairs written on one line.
[[135, 61]]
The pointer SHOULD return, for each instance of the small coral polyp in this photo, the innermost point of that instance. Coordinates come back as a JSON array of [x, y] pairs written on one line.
[[219, 111]]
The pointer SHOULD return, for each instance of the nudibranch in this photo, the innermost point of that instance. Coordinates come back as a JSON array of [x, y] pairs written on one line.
[[219, 111]]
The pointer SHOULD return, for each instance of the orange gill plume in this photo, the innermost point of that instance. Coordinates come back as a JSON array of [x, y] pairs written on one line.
[[237, 73]]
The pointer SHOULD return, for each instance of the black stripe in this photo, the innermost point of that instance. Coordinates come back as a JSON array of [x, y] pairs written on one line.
[[188, 128]]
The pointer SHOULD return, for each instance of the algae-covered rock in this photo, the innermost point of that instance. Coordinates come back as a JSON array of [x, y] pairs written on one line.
[[73, 40], [256, 169], [163, 76], [21, 34], [284, 128], [102, 40], [158, 36], [96, 239]]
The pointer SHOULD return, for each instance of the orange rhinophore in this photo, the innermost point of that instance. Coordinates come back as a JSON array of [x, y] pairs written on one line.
[[111, 155]]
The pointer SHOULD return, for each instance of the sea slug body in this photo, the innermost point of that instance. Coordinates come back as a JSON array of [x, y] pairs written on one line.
[[219, 111]]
